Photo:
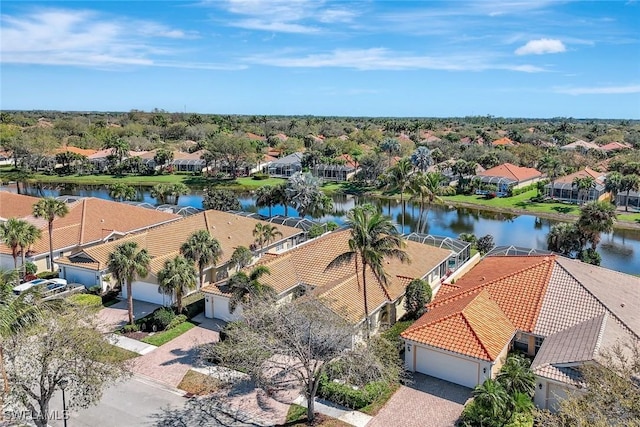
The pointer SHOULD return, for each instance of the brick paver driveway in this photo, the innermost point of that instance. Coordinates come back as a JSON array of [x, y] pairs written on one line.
[[424, 402], [111, 318], [171, 361]]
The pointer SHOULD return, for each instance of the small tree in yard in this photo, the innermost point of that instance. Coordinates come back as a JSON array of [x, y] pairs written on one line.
[[289, 345], [416, 297], [61, 347], [485, 244]]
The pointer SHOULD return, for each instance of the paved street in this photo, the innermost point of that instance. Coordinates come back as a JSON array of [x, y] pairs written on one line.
[[425, 402], [136, 402]]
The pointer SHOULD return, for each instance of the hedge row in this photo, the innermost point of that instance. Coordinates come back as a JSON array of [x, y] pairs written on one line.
[[346, 395]]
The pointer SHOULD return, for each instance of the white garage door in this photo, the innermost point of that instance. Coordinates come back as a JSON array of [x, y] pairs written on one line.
[[147, 292], [221, 310], [73, 275], [556, 393], [446, 367]]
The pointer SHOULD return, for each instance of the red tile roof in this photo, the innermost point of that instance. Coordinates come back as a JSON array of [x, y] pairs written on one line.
[[513, 172], [516, 284], [502, 142]]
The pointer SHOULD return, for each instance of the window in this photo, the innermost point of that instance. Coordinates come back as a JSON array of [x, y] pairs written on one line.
[[538, 344]]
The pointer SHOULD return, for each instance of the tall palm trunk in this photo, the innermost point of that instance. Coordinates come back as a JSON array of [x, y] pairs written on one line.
[[366, 302], [51, 244], [5, 382], [403, 209], [626, 201], [201, 271], [24, 269], [130, 301]]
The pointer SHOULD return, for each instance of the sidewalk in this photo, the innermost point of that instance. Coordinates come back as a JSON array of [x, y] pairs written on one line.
[[341, 413], [130, 344]]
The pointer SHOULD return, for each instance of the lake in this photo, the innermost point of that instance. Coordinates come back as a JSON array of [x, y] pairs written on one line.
[[620, 250]]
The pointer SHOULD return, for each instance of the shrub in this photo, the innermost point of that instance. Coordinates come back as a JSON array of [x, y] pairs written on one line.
[[95, 290], [346, 395], [85, 300], [30, 268], [316, 230], [417, 296], [181, 318], [393, 333], [162, 317], [130, 328], [48, 275], [260, 176]]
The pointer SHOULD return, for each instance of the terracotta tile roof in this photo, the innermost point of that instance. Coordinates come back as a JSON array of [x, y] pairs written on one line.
[[307, 264], [502, 142], [15, 205], [613, 146], [581, 144], [516, 283], [164, 242], [71, 149], [513, 172], [473, 325], [91, 220], [583, 173], [255, 137]]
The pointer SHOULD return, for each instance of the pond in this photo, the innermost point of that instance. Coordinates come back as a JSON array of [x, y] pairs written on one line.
[[620, 250]]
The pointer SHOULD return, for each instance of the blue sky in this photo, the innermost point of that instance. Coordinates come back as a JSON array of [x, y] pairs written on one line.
[[352, 58]]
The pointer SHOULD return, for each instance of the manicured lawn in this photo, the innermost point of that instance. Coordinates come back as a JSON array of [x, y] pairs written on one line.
[[116, 354], [297, 416], [164, 337], [249, 182], [198, 384]]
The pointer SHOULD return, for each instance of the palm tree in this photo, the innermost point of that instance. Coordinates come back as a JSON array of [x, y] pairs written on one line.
[[583, 184], [492, 396], [241, 257], [265, 196], [160, 192], [50, 208], [421, 158], [177, 277], [265, 233], [613, 184], [390, 146], [516, 376], [596, 218], [12, 234], [628, 183], [126, 263], [178, 189], [30, 235], [424, 187], [120, 148], [245, 287], [280, 196], [398, 180], [122, 192], [202, 249], [564, 238], [553, 168], [373, 238], [303, 191]]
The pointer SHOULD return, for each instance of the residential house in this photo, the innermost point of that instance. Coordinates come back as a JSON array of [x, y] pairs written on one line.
[[507, 177], [503, 142], [581, 146], [285, 166], [90, 221], [90, 266], [304, 269], [188, 162], [560, 311], [630, 201], [614, 147], [343, 170], [563, 188]]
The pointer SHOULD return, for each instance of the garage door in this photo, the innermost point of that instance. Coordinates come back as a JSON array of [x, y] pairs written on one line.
[[221, 310], [446, 367], [556, 393], [147, 292], [73, 275]]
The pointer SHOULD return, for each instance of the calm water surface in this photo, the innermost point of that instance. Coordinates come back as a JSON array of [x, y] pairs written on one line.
[[620, 250]]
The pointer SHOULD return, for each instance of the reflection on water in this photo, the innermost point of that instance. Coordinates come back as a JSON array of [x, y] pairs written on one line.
[[620, 250]]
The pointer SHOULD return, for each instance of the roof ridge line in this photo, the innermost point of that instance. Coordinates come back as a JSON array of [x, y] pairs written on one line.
[[485, 284], [82, 220], [473, 331]]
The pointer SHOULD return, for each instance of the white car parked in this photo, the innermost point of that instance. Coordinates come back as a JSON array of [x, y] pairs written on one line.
[[52, 285]]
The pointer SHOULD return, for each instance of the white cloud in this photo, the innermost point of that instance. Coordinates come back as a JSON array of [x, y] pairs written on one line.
[[280, 27], [85, 38], [541, 46], [385, 59], [602, 90]]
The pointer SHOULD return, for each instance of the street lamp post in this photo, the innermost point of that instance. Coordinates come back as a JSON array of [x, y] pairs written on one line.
[[63, 383]]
